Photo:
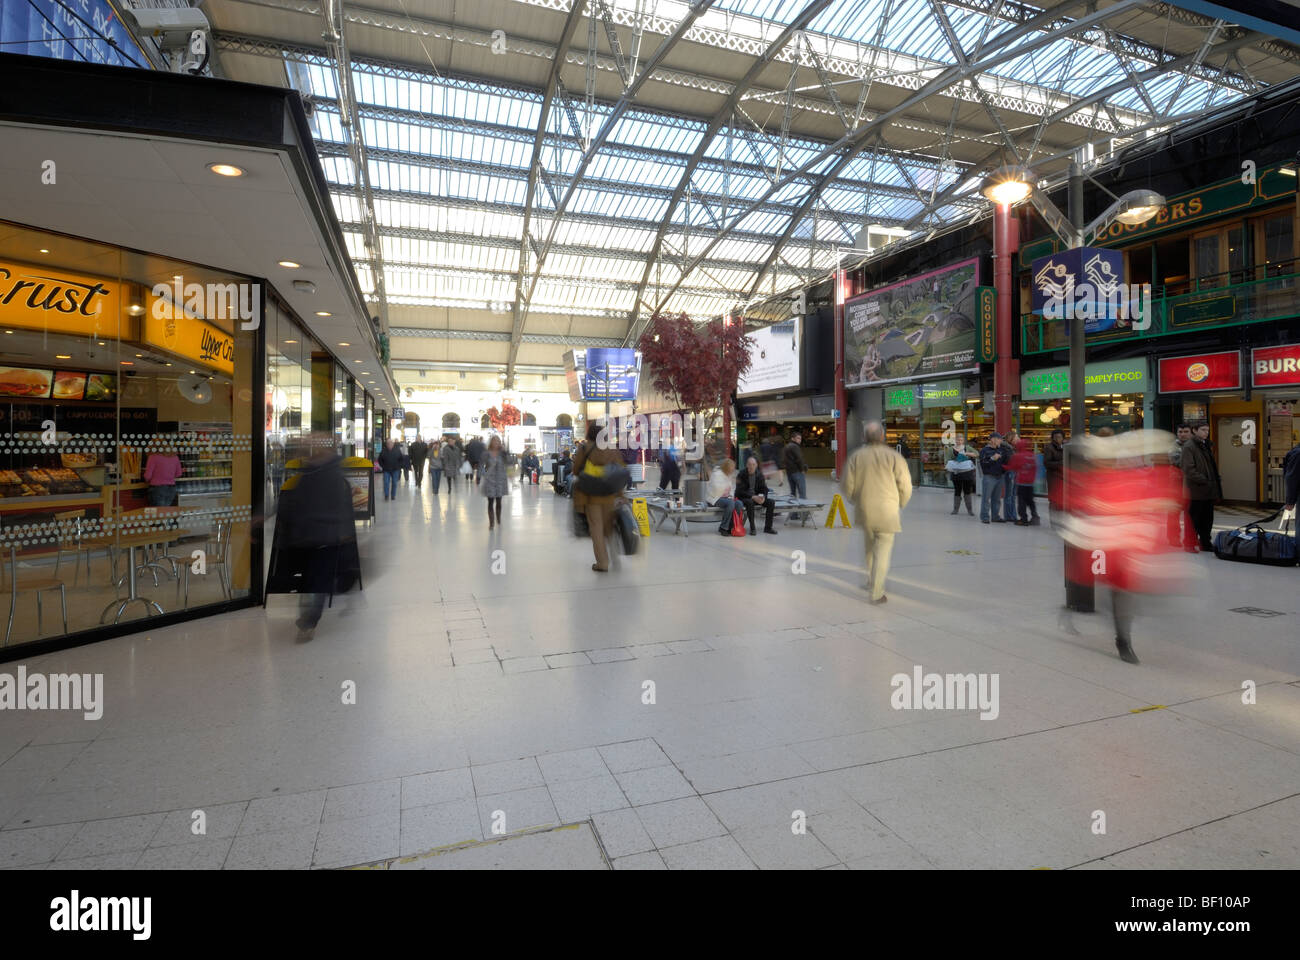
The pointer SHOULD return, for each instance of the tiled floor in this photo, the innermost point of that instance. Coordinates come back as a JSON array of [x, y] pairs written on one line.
[[704, 705]]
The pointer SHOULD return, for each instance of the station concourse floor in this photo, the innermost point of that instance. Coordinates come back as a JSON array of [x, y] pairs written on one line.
[[505, 692]]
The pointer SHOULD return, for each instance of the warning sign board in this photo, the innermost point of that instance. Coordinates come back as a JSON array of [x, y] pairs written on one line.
[[837, 509], [642, 514]]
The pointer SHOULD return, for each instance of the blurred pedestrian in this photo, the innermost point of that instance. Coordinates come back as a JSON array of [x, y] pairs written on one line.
[[435, 466], [390, 461], [418, 452], [449, 457], [878, 482], [316, 528], [496, 481], [598, 508]]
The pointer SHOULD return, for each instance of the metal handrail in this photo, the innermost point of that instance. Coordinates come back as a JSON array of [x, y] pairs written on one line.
[[1163, 306]]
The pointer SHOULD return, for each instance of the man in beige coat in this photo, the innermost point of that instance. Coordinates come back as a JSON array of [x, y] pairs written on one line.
[[877, 482]]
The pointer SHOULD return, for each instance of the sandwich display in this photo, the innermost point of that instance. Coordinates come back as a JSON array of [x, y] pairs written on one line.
[[69, 385], [101, 386], [25, 382]]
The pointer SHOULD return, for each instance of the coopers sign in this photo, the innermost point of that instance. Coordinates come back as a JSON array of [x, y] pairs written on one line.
[[1275, 366]]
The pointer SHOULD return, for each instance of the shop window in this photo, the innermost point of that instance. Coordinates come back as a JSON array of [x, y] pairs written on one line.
[[564, 420], [127, 487], [1275, 237]]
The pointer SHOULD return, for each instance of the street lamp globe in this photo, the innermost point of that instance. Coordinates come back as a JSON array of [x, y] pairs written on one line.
[[1008, 185], [1139, 206]]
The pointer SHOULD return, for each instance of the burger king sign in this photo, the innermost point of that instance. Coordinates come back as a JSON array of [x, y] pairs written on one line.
[[1200, 372]]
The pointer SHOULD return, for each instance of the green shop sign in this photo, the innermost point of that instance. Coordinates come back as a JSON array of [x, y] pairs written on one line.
[[1119, 376], [1209, 202], [941, 393], [900, 398]]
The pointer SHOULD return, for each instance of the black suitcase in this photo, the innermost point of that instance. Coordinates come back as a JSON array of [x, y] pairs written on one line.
[[1253, 544], [625, 521]]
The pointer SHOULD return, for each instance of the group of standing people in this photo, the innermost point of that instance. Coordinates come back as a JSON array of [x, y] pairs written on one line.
[[1009, 467]]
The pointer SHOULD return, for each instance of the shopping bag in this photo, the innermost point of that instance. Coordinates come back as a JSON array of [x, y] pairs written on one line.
[[466, 469], [737, 523]]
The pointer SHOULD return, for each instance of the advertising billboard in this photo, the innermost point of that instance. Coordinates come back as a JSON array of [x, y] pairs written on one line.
[[913, 329], [773, 359], [603, 373]]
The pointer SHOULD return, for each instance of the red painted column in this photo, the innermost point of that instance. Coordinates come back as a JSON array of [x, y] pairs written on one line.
[[841, 395], [1006, 369]]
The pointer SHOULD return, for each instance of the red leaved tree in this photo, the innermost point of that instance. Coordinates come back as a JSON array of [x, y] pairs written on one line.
[[507, 416], [697, 365]]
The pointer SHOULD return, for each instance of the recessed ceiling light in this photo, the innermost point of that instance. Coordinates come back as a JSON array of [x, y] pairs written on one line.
[[226, 169], [136, 309], [44, 250], [345, 344], [139, 354], [192, 371], [10, 331], [323, 313], [291, 341], [366, 373], [102, 343], [289, 264], [63, 356], [128, 363], [177, 276], [169, 364]]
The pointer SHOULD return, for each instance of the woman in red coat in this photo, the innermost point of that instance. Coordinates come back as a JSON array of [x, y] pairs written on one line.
[[1118, 505]]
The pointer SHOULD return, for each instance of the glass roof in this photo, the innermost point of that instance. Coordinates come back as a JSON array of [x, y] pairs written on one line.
[[448, 163]]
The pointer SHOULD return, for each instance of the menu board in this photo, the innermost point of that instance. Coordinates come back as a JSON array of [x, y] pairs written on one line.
[[69, 385], [25, 382], [101, 386]]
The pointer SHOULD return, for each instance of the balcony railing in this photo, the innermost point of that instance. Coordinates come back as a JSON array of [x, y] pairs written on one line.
[[1251, 295]]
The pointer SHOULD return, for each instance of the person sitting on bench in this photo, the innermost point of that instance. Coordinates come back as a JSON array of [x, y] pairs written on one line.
[[751, 490], [721, 493]]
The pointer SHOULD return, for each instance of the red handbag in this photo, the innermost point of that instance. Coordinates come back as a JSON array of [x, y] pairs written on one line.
[[737, 523]]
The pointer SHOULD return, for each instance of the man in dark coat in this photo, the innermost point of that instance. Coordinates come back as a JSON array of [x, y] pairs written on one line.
[[474, 451], [318, 535], [1201, 476], [390, 461], [418, 452], [751, 490]]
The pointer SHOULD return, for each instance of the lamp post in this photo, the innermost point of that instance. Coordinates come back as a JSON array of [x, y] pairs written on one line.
[[1010, 185]]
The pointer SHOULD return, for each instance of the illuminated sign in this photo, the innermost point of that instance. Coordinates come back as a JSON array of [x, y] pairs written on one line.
[[1275, 366], [986, 312], [177, 332], [35, 298], [1122, 376], [1203, 371]]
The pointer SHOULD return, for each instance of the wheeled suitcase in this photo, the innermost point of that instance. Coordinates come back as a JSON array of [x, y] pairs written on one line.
[[1253, 544]]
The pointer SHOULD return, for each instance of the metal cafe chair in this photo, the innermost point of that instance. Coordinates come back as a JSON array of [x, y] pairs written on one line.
[[80, 535], [217, 554], [33, 584]]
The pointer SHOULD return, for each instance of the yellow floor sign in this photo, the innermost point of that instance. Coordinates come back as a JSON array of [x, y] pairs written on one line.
[[837, 509], [642, 514]]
